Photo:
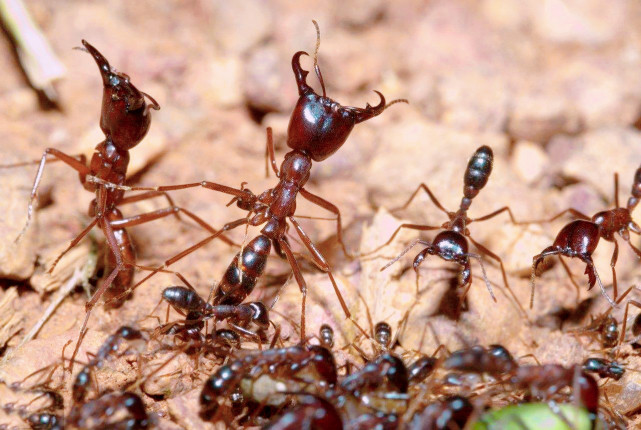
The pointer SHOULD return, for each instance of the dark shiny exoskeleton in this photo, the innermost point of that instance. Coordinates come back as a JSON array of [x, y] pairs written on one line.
[[238, 315], [107, 412], [580, 238], [451, 413], [111, 345], [311, 413], [421, 369], [45, 421], [451, 244], [287, 361], [494, 360], [326, 336], [604, 368], [318, 127], [546, 380], [387, 372]]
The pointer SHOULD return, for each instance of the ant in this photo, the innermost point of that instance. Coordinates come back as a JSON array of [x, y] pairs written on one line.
[[604, 368], [184, 299], [311, 412], [97, 412], [450, 413], [451, 243], [580, 238], [544, 381], [326, 336], [287, 361], [125, 119], [494, 360], [318, 127]]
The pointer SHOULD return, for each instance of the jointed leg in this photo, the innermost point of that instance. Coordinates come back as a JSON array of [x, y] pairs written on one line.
[[205, 184], [613, 263], [571, 211], [73, 243], [322, 264], [78, 165], [616, 190], [269, 154], [536, 260], [498, 212], [300, 281], [495, 257], [417, 260], [487, 281], [591, 268], [432, 197], [149, 195], [625, 318], [161, 213]]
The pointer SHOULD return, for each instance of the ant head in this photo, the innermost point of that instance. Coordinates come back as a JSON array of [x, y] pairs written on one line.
[[125, 115], [260, 315], [320, 125]]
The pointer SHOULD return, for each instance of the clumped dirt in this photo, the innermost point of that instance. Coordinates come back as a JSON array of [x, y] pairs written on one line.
[[552, 86]]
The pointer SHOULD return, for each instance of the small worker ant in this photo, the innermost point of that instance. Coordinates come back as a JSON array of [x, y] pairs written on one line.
[[451, 244], [580, 238]]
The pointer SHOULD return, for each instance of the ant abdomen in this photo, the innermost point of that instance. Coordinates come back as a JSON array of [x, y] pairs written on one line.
[[239, 282], [478, 172], [184, 299]]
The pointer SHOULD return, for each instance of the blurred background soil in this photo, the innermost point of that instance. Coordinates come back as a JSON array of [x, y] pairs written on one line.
[[553, 86]]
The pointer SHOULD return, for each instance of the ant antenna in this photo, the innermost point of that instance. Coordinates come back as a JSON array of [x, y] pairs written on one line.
[[393, 102], [316, 68]]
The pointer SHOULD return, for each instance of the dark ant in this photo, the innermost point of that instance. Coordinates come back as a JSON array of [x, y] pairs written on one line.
[[291, 360], [312, 412], [383, 334], [451, 244], [125, 120], [97, 412], [494, 360], [184, 299], [604, 368], [318, 127], [544, 381], [419, 370], [580, 238], [450, 413], [326, 336], [111, 345]]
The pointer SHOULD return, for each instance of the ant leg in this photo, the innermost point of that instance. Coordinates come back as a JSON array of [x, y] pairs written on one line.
[[73, 243], [299, 280], [626, 237], [322, 264], [625, 318], [613, 262], [161, 213], [270, 158], [205, 184], [571, 211], [417, 260], [495, 213], [572, 280], [536, 260], [495, 257], [432, 197], [172, 260], [319, 201], [149, 195], [592, 273], [616, 190], [78, 165], [485, 278]]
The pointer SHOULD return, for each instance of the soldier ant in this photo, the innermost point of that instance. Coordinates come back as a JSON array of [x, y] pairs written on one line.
[[125, 119], [580, 238], [318, 127], [451, 244]]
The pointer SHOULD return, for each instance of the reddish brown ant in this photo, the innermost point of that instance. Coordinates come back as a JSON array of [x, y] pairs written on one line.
[[292, 360], [450, 413], [239, 316], [125, 119], [97, 413], [311, 412], [318, 127], [580, 238], [451, 244], [494, 360]]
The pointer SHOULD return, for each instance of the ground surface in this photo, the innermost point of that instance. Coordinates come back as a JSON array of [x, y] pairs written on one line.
[[552, 86]]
